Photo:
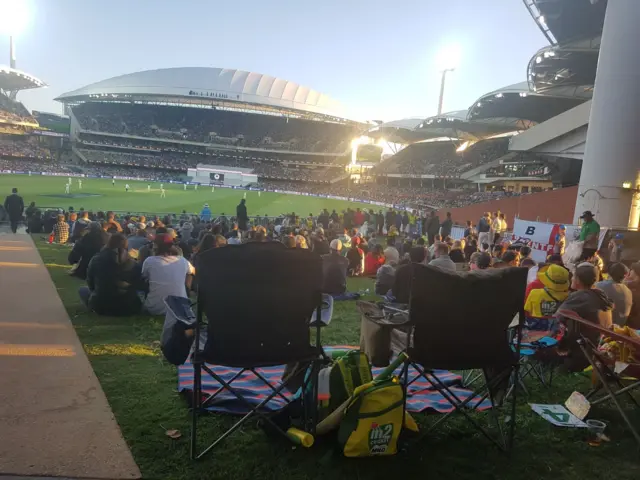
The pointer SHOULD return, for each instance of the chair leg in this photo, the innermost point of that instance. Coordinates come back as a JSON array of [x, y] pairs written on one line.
[[602, 377], [195, 406]]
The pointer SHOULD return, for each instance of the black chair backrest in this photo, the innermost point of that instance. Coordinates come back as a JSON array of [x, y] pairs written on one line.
[[258, 299], [461, 319]]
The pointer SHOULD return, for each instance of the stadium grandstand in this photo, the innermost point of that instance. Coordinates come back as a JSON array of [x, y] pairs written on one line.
[[177, 118], [159, 124]]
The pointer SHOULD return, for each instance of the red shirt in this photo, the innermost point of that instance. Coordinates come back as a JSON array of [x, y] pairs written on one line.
[[358, 218], [372, 263]]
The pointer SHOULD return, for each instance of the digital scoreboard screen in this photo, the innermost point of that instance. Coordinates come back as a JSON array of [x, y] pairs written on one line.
[[369, 154], [216, 177]]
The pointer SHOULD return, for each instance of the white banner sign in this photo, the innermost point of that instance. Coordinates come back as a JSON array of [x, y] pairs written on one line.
[[541, 236]]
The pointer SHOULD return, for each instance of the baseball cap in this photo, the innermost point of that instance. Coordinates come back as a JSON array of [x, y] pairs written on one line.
[[587, 214], [336, 245]]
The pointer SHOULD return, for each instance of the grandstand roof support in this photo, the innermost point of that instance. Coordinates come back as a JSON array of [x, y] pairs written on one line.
[[610, 178]]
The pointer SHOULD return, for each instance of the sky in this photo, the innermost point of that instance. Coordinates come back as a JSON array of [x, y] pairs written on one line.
[[378, 58]]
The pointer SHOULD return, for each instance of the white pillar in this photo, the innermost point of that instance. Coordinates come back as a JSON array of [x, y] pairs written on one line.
[[612, 152]]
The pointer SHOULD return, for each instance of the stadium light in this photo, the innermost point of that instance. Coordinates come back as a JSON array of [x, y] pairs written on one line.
[[447, 60], [14, 17]]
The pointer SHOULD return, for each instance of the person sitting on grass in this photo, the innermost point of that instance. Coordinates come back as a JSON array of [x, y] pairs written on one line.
[[374, 260], [334, 270], [111, 280], [588, 302], [401, 289], [86, 248], [355, 255], [60, 229], [618, 292], [441, 257], [480, 261], [542, 303], [167, 273], [457, 254], [391, 253]]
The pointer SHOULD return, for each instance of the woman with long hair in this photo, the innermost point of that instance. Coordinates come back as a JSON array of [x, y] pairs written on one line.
[[111, 280]]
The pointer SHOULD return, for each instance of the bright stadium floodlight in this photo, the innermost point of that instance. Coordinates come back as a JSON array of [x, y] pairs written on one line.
[[14, 17]]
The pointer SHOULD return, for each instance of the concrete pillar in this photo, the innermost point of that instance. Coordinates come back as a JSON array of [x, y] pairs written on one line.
[[612, 152]]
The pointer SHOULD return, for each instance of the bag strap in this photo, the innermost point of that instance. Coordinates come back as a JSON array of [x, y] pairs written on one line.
[[552, 297]]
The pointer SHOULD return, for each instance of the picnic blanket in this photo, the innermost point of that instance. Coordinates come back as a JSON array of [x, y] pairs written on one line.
[[421, 397]]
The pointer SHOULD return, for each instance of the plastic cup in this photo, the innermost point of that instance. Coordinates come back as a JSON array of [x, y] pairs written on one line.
[[596, 430]]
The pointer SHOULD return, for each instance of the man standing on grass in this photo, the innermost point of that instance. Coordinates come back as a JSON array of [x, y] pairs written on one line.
[[14, 206]]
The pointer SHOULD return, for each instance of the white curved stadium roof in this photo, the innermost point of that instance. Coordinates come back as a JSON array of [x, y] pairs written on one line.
[[214, 84]]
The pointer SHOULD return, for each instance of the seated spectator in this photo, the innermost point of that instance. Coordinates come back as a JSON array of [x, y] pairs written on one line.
[[470, 248], [591, 304], [480, 261], [402, 286], [541, 303], [289, 242], [111, 280], [633, 283], [441, 257], [385, 279], [301, 242], [528, 263], [374, 260], [456, 254], [345, 240], [391, 253], [355, 255], [86, 248], [60, 230], [319, 243], [511, 258], [139, 240], [525, 252], [80, 226], [618, 292], [497, 251], [167, 273], [334, 270]]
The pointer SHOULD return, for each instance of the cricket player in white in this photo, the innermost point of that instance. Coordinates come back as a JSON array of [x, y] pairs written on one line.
[[162, 186], [213, 189], [162, 192], [126, 187], [259, 192], [245, 195], [113, 181], [195, 187], [70, 180], [185, 186], [148, 187], [66, 188], [79, 184]]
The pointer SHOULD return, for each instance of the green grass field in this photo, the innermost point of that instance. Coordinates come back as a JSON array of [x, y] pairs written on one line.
[[99, 194], [141, 388]]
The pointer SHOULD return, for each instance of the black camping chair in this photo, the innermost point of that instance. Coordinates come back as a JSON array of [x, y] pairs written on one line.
[[258, 299], [461, 322]]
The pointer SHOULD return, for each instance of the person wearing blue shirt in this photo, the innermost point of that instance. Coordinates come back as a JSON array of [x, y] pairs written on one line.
[[205, 214]]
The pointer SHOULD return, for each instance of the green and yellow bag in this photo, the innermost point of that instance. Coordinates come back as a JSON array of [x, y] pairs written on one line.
[[373, 420], [348, 372]]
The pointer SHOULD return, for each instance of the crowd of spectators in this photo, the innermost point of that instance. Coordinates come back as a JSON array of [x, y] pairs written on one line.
[[22, 147], [13, 111], [441, 159], [216, 126]]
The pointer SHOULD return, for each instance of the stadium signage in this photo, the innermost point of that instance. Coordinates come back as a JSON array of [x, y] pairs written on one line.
[[48, 133]]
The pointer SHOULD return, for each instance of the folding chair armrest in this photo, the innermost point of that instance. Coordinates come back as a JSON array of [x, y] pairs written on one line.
[[326, 312], [570, 314]]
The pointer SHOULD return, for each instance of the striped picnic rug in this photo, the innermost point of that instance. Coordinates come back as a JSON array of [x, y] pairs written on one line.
[[421, 396]]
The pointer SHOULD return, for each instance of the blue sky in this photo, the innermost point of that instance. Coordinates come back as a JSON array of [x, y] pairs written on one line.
[[378, 58]]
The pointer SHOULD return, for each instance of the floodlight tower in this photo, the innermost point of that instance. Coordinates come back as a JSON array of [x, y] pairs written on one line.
[[447, 60]]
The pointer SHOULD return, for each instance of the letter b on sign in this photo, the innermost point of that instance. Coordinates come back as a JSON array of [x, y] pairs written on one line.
[[531, 230]]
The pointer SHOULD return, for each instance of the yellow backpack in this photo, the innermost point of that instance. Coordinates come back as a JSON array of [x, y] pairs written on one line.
[[373, 419]]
